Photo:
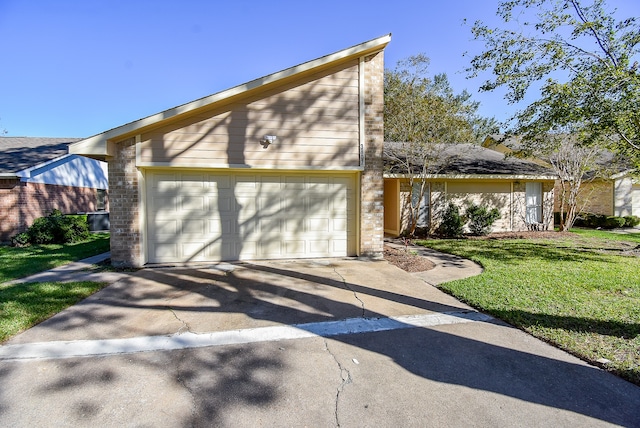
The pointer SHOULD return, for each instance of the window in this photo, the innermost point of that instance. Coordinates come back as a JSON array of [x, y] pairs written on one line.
[[423, 214], [533, 197], [100, 197]]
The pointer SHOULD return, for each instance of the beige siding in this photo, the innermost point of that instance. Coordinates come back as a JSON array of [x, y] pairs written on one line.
[[490, 195], [623, 200], [316, 122], [506, 195]]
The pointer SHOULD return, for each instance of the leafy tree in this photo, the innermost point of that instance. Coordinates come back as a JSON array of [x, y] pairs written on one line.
[[573, 164], [585, 61], [422, 114]]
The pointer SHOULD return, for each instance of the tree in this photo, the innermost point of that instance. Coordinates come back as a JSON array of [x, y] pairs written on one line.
[[585, 61], [422, 114], [573, 164]]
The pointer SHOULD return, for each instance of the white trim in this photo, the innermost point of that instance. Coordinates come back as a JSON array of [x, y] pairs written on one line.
[[476, 177], [26, 173], [96, 144], [361, 107], [246, 167]]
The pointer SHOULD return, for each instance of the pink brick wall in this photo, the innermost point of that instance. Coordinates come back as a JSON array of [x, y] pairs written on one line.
[[22, 203]]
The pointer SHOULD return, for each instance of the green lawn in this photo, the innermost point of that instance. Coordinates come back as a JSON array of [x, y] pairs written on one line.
[[580, 292], [24, 305], [20, 262]]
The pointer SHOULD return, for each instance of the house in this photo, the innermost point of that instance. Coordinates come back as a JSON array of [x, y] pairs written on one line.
[[521, 190], [285, 166], [38, 175], [616, 194]]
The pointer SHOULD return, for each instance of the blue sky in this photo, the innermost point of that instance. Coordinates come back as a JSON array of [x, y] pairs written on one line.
[[75, 68]]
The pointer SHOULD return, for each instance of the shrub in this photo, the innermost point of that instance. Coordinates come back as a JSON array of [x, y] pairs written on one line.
[[481, 219], [20, 240], [590, 220], [613, 222], [631, 221], [452, 222], [57, 228]]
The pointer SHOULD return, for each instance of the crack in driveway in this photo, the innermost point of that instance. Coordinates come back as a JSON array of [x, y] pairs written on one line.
[[184, 327], [355, 294], [345, 375]]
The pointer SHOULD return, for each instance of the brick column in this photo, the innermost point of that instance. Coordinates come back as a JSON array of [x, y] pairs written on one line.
[[124, 206], [372, 183]]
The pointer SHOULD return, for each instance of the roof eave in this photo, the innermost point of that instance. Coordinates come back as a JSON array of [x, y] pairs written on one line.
[[478, 177], [98, 145]]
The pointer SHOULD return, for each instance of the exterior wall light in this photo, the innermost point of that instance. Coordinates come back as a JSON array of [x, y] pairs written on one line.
[[267, 140]]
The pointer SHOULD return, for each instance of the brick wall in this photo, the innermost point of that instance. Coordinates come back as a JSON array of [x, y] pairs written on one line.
[[372, 182], [124, 213], [21, 203]]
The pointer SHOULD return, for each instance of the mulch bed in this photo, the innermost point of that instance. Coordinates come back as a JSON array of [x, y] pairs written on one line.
[[406, 260]]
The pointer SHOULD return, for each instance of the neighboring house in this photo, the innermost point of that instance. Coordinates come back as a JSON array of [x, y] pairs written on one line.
[[617, 194], [285, 166], [521, 190], [38, 175]]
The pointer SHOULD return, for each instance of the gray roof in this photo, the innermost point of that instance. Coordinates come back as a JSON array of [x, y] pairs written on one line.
[[470, 159], [20, 153]]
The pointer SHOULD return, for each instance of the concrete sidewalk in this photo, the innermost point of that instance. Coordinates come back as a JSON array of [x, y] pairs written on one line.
[[82, 270]]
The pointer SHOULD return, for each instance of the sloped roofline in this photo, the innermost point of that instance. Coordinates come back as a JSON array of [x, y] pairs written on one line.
[[26, 173], [98, 145]]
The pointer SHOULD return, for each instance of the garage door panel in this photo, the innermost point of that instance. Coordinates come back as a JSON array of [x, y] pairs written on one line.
[[167, 227], [319, 247], [294, 182], [219, 181], [317, 225], [339, 245], [192, 204], [194, 226], [339, 225], [193, 251], [212, 217]]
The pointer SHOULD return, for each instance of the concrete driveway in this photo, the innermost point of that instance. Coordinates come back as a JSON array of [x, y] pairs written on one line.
[[294, 343]]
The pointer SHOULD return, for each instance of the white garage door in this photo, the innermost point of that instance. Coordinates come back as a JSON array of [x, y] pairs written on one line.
[[212, 216]]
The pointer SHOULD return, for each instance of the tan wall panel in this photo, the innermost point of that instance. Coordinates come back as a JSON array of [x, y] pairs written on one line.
[[391, 206], [316, 123]]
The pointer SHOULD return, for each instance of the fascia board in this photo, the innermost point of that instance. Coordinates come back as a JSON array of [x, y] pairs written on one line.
[[97, 144], [27, 173], [475, 177]]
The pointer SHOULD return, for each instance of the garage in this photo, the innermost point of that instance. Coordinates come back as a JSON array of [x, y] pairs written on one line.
[[285, 166], [196, 216]]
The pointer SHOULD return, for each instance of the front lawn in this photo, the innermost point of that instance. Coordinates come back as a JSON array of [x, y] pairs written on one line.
[[24, 305], [18, 262], [579, 291]]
